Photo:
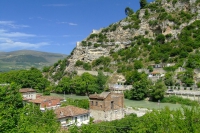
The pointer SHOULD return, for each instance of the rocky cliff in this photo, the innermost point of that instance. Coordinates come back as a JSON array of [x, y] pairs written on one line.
[[159, 17]]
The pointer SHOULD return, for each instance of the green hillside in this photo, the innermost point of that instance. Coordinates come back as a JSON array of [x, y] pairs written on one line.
[[163, 33], [25, 59]]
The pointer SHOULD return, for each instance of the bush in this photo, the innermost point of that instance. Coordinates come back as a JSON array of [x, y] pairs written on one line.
[[180, 100]]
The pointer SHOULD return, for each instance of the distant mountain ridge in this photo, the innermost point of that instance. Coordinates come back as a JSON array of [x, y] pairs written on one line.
[[25, 59]]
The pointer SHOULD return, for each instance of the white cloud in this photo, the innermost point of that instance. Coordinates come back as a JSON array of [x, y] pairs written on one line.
[[73, 24], [66, 35], [56, 5], [13, 39], [11, 24], [6, 44], [5, 33], [69, 23]]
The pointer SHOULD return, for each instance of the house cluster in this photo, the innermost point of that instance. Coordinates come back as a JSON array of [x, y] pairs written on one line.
[[66, 115], [106, 106]]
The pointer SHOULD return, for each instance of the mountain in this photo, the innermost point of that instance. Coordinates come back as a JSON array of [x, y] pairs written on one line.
[[162, 32], [25, 59]]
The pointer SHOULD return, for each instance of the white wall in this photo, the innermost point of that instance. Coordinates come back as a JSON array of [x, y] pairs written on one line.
[[78, 120], [29, 95]]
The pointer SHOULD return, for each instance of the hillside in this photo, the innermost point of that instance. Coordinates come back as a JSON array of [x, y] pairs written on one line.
[[24, 59], [163, 33]]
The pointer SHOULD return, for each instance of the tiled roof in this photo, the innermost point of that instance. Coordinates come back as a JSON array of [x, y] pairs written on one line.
[[67, 111], [42, 99], [103, 95], [23, 90], [155, 72]]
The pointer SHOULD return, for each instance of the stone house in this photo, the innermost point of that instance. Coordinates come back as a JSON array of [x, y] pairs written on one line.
[[47, 102], [28, 94], [72, 115], [107, 106]]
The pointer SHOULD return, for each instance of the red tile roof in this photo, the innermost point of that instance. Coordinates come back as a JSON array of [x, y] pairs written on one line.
[[23, 90], [103, 95], [47, 101], [68, 111]]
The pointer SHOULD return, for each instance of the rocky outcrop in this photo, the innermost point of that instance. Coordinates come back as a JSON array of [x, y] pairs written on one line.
[[122, 37]]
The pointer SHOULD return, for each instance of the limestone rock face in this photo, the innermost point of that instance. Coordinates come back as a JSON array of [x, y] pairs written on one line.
[[122, 37]]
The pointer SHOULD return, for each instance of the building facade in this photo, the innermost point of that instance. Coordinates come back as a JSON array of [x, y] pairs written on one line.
[[72, 115], [107, 106], [28, 94]]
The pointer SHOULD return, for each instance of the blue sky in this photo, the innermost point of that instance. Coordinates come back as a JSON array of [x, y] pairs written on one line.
[[55, 25]]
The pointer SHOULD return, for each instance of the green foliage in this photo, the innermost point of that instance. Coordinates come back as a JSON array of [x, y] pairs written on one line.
[[32, 78], [46, 69], [185, 120], [79, 63], [101, 61], [169, 79], [87, 66], [59, 67], [180, 100], [82, 85], [138, 64], [16, 118], [157, 91], [143, 3], [128, 11], [193, 61], [81, 103], [160, 38], [187, 77]]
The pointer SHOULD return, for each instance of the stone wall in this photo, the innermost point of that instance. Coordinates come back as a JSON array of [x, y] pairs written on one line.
[[107, 115]]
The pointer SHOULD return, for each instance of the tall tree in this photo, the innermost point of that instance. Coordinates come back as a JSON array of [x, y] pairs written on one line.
[[158, 91], [140, 89], [128, 11], [10, 106], [143, 3]]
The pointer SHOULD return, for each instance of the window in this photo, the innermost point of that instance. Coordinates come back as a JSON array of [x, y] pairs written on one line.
[[85, 117], [75, 119], [96, 103], [92, 103]]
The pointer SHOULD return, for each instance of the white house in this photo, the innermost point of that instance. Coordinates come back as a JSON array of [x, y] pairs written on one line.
[[28, 93], [72, 115]]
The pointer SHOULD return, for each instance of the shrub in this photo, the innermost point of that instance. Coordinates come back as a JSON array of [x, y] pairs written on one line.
[[180, 100]]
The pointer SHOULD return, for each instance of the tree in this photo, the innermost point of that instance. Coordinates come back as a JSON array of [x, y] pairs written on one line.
[[138, 64], [157, 91], [15, 117], [140, 89], [128, 11], [143, 3], [10, 106], [64, 85], [160, 38]]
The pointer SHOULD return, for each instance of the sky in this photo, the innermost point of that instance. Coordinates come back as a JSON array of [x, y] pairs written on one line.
[[56, 25]]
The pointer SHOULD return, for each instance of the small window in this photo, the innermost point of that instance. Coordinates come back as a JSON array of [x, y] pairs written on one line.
[[96, 103], [92, 103], [112, 105]]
